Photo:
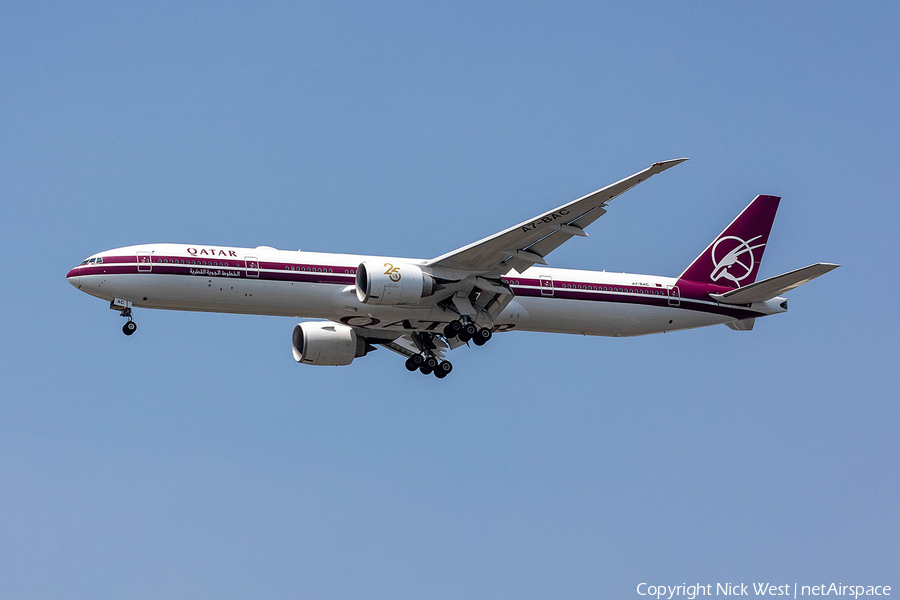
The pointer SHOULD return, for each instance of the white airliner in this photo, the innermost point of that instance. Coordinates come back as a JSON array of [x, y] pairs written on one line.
[[421, 309]]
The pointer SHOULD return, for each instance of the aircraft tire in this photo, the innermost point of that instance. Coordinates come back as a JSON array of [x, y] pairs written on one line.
[[452, 329], [129, 328]]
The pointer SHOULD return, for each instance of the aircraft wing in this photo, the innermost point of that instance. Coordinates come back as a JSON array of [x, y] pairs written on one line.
[[527, 243]]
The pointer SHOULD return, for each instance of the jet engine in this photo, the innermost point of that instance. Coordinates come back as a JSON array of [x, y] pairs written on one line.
[[326, 343], [392, 283]]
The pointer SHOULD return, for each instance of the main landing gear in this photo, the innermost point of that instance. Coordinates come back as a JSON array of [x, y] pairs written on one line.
[[466, 330], [428, 364]]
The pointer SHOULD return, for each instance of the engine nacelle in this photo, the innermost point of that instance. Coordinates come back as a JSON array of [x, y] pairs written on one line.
[[326, 343], [392, 283]]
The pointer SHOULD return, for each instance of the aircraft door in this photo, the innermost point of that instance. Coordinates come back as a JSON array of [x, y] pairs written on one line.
[[252, 265], [144, 265], [546, 285], [674, 295]]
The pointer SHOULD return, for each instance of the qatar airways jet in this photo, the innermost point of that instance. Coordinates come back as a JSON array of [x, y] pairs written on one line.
[[422, 309]]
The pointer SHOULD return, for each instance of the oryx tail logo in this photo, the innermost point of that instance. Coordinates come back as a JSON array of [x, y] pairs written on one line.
[[733, 258]]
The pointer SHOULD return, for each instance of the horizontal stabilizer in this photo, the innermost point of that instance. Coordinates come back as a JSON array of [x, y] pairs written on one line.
[[773, 286]]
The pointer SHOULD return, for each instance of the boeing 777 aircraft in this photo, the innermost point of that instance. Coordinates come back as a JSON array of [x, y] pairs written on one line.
[[422, 309]]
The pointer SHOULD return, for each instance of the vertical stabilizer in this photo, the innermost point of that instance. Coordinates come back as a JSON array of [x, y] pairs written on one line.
[[733, 258]]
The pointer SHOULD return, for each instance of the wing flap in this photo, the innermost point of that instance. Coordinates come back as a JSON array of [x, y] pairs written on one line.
[[405, 346], [774, 286]]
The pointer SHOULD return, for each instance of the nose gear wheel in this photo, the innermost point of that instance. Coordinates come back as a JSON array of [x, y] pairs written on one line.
[[130, 326]]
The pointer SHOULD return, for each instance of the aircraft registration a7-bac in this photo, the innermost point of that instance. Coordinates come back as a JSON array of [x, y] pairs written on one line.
[[422, 309]]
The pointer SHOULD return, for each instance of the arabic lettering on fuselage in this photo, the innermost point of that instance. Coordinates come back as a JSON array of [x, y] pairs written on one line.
[[215, 273]]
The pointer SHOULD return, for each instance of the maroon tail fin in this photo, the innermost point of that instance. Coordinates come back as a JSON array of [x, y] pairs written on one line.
[[732, 260]]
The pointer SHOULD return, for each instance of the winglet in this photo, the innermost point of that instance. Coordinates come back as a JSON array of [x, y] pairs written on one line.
[[671, 162], [663, 165]]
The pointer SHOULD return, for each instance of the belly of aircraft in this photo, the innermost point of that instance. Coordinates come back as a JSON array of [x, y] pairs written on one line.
[[337, 303]]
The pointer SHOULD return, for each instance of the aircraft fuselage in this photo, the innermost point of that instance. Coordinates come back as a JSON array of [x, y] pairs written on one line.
[[266, 281]]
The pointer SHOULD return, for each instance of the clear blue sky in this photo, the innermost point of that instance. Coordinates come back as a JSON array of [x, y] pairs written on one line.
[[196, 459]]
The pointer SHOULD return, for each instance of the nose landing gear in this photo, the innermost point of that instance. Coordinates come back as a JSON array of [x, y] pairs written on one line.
[[129, 328], [124, 308]]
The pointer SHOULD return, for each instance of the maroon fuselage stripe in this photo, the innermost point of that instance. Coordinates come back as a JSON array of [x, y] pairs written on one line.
[[693, 293]]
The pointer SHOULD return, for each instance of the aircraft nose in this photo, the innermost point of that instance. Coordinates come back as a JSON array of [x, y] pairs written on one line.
[[73, 278]]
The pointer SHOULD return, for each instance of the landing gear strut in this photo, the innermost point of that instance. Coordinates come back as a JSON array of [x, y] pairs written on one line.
[[130, 326], [124, 308]]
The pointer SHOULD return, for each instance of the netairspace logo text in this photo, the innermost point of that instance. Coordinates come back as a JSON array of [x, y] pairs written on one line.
[[760, 589]]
